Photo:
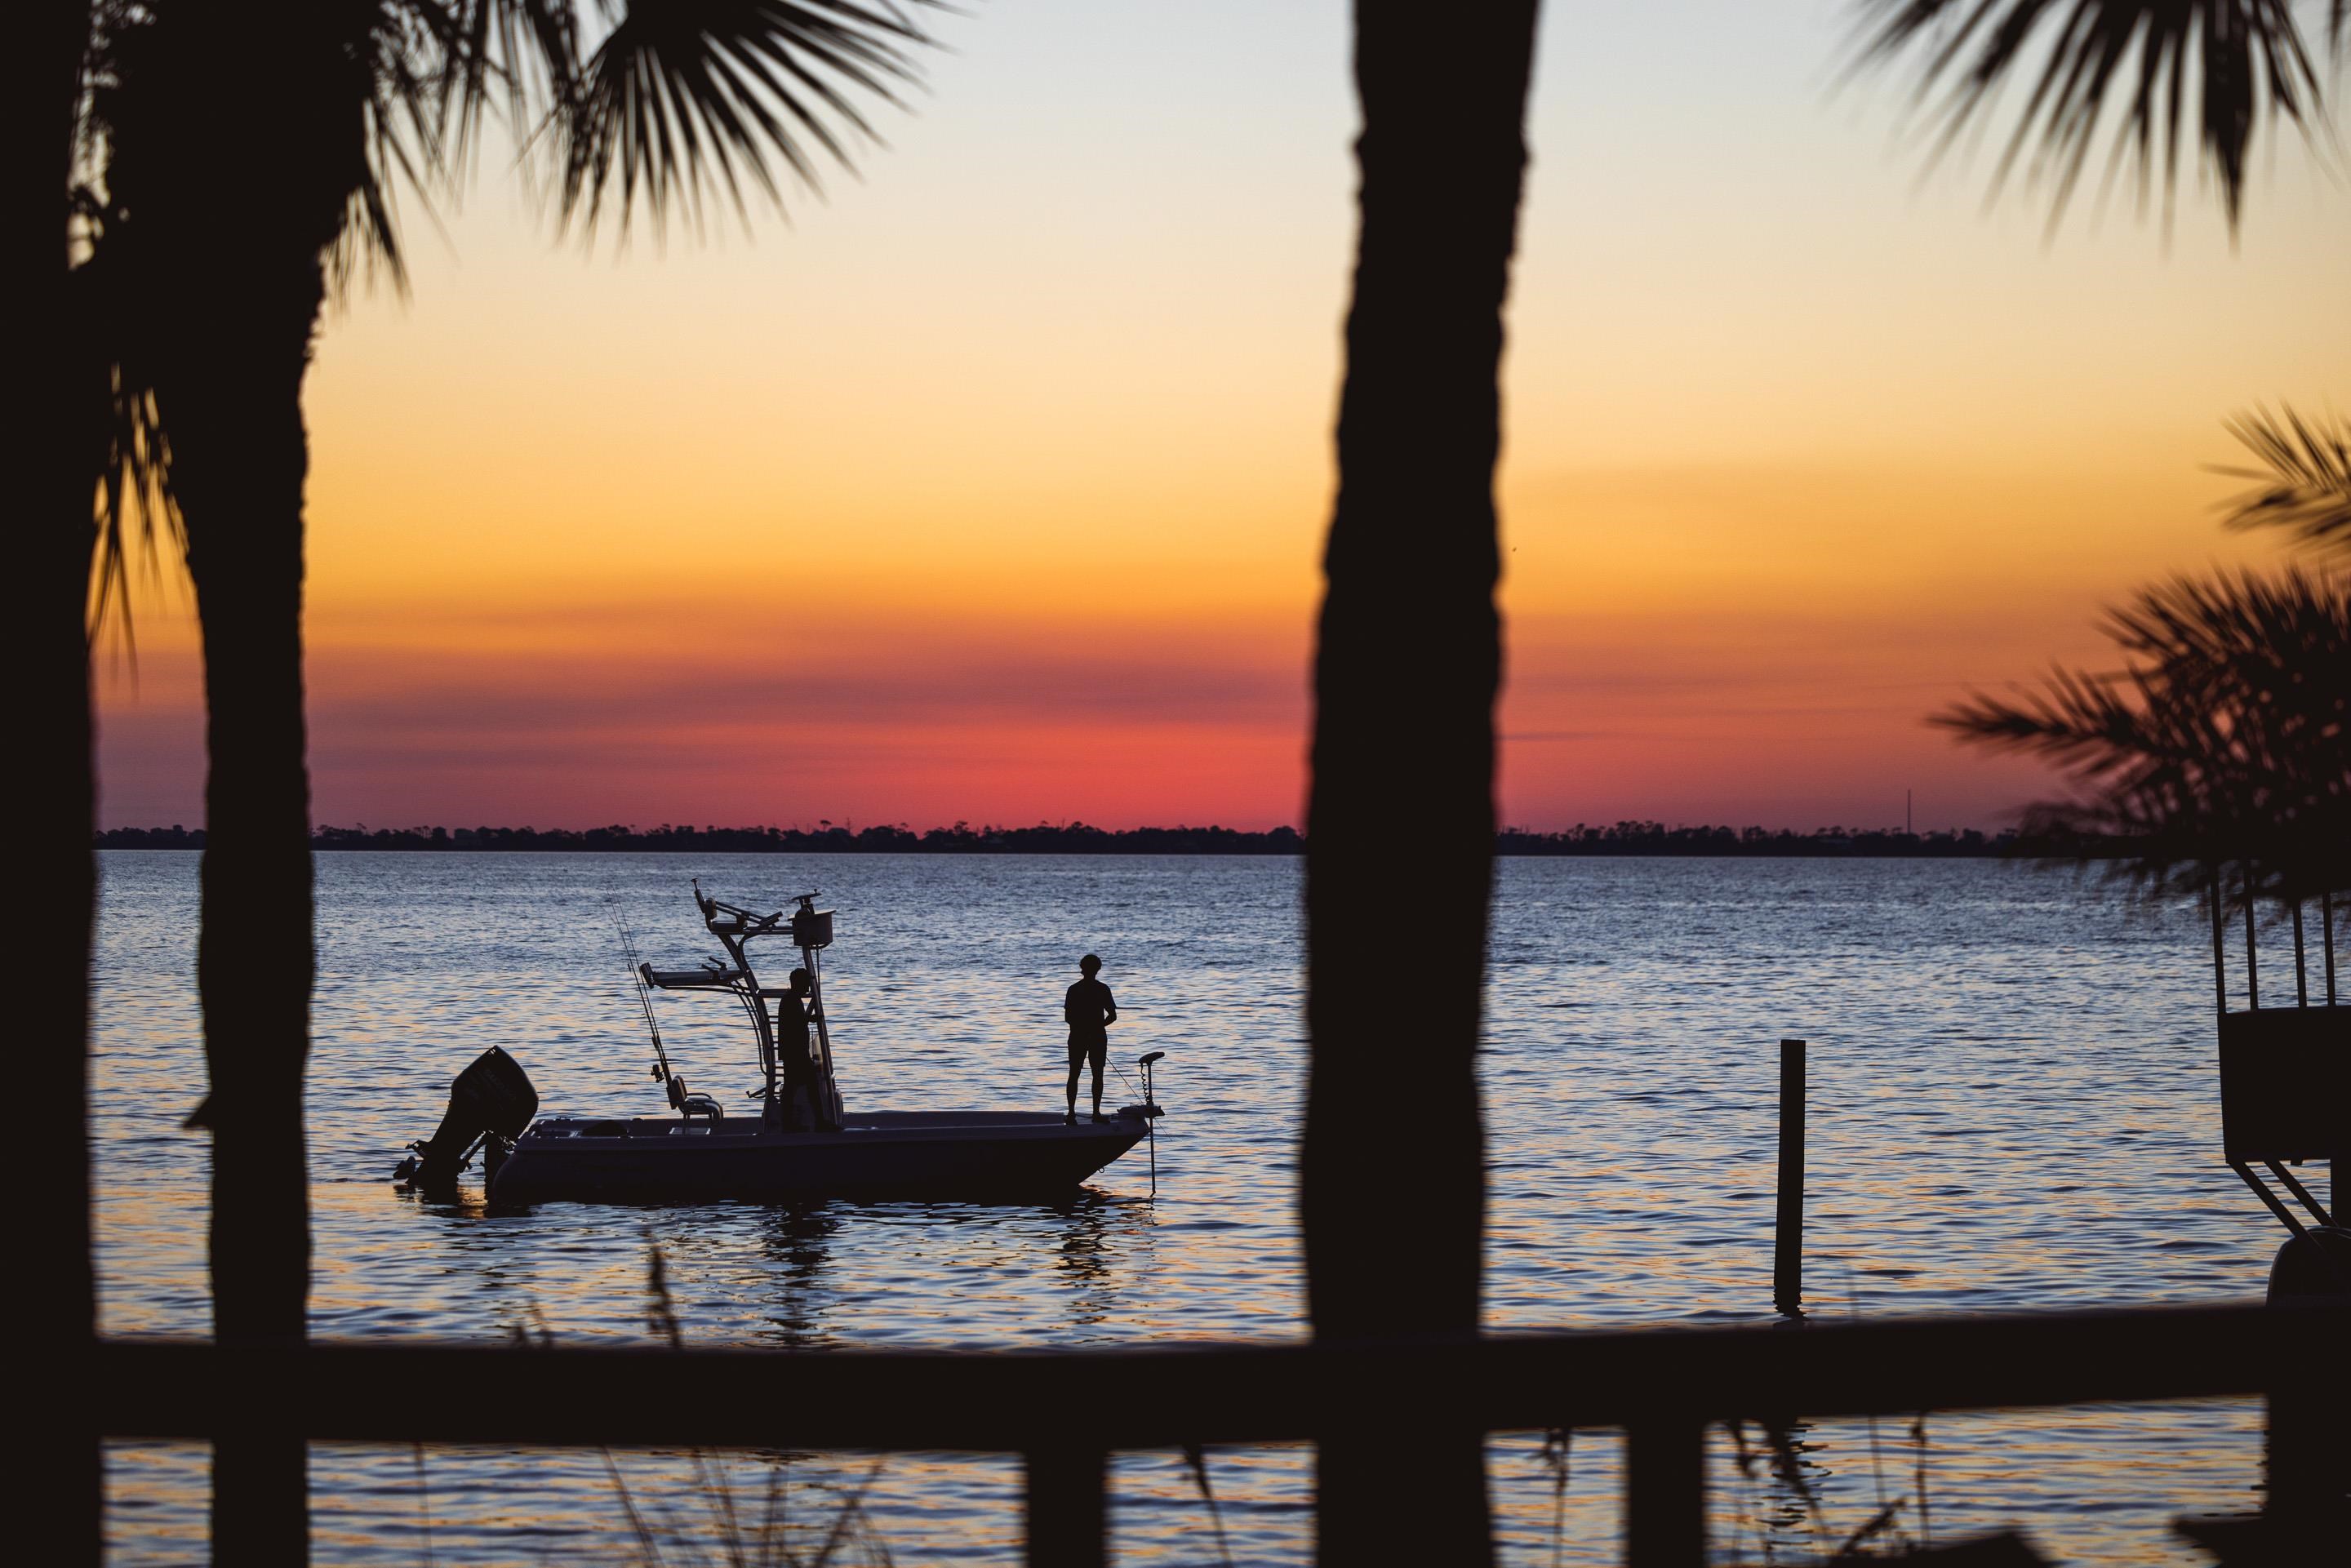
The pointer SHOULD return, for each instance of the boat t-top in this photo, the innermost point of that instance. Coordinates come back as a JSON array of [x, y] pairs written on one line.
[[799, 1140]]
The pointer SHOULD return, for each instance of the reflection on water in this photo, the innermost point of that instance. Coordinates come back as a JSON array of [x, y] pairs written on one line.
[[2012, 1106], [799, 1241]]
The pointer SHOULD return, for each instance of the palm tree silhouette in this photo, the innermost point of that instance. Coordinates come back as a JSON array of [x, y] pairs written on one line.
[[2226, 736], [1392, 1184], [59, 415], [2304, 483], [247, 159]]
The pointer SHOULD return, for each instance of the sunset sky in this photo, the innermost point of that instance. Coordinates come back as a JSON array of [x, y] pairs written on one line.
[[991, 486]]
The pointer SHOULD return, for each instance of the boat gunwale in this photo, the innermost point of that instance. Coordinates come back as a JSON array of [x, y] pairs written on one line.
[[887, 1126]]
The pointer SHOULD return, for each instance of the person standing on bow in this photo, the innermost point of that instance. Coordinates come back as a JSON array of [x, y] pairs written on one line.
[[1090, 1011]]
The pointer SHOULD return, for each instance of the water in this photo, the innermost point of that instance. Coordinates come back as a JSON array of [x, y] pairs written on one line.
[[2012, 1105]]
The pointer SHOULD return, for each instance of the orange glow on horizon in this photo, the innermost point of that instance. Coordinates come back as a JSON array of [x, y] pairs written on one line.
[[993, 487]]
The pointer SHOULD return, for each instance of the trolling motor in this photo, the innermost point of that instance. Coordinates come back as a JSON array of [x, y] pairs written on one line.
[[491, 1104], [1150, 1113]]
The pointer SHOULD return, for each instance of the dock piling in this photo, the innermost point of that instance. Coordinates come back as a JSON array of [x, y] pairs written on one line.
[[1788, 1238]]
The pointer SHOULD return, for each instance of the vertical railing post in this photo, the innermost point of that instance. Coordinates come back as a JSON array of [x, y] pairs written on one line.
[[2305, 1454], [2219, 949], [1664, 1494], [2326, 940], [2300, 972], [2252, 956], [1788, 1237], [1067, 1519]]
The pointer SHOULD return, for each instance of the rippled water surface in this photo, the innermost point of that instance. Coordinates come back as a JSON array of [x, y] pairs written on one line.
[[2011, 1105]]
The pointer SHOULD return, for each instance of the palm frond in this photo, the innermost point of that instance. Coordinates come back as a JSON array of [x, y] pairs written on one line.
[[2304, 483], [527, 51], [2247, 58], [2226, 736], [399, 68], [134, 513], [683, 102]]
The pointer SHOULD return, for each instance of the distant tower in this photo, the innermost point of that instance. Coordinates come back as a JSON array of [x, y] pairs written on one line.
[[1907, 830]]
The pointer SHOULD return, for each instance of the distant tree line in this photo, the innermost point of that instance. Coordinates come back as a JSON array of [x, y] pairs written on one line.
[[1632, 837], [1657, 839]]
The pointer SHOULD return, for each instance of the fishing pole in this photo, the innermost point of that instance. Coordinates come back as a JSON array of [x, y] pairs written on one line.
[[644, 997], [1131, 1089]]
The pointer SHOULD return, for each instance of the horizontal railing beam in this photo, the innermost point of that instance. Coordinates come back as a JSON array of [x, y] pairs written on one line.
[[1142, 1398]]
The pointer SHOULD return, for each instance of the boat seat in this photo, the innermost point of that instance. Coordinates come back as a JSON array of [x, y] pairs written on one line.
[[692, 1105]]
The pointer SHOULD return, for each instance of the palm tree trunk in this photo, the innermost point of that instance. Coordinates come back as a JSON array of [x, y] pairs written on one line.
[[239, 134], [59, 465], [1391, 1178], [233, 405]]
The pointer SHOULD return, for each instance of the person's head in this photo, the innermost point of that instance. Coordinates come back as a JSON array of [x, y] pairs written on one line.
[[1089, 966], [803, 982]]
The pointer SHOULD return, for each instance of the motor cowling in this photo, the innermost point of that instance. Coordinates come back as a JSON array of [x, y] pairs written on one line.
[[492, 1097], [2314, 1266]]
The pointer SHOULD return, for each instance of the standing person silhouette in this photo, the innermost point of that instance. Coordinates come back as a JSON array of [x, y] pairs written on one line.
[[798, 1110], [1090, 1011]]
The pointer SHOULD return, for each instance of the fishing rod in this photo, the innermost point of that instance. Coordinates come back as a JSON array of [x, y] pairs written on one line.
[[644, 997], [1123, 1078]]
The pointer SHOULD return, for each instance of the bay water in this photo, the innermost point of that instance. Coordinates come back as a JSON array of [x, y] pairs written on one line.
[[2012, 1106]]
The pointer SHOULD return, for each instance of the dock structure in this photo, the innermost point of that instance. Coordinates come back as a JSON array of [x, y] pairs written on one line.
[[1664, 1386], [2285, 1072]]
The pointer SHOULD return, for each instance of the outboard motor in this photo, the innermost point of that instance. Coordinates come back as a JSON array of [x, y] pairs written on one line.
[[2314, 1265], [491, 1100]]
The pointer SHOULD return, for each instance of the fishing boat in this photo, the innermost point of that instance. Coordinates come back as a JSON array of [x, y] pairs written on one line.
[[798, 1141]]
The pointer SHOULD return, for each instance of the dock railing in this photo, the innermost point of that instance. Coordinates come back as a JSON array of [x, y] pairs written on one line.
[[1663, 1386]]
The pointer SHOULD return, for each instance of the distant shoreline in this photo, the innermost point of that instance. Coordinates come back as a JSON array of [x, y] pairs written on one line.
[[1621, 839]]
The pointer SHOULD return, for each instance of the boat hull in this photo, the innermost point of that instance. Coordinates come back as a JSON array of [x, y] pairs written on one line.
[[986, 1155]]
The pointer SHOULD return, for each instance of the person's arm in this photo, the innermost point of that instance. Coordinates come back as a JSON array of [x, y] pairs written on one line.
[[1069, 1005], [1110, 1006]]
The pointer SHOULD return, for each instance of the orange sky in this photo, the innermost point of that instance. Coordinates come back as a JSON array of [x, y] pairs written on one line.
[[992, 486]]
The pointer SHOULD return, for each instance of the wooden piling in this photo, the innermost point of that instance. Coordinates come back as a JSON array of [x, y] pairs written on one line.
[[1788, 1238], [1067, 1517]]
